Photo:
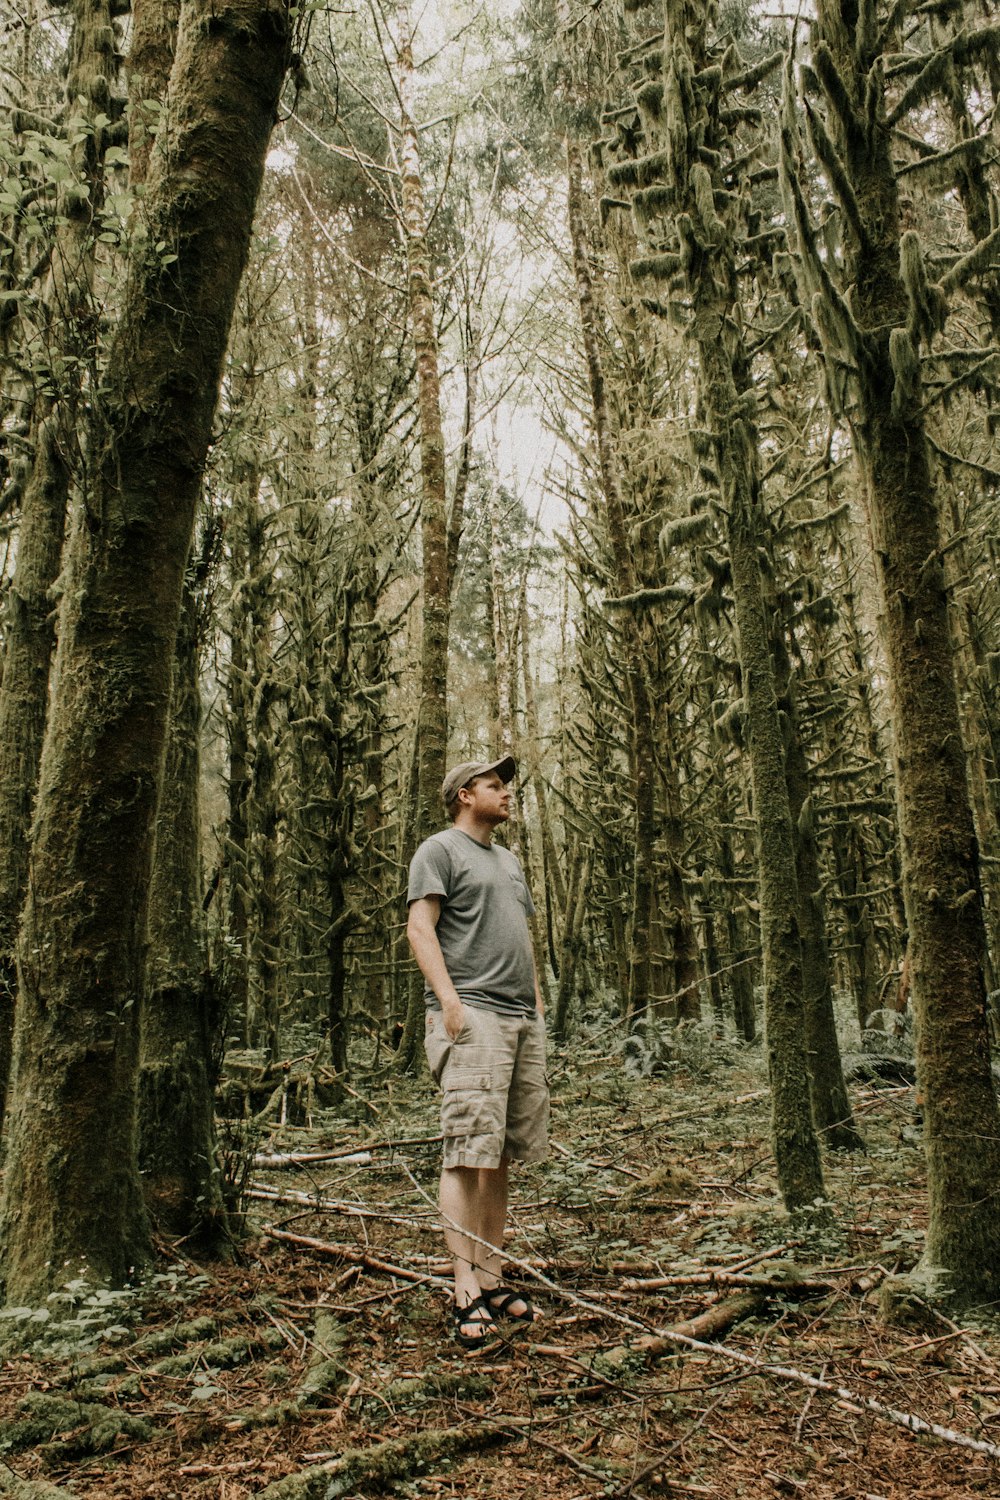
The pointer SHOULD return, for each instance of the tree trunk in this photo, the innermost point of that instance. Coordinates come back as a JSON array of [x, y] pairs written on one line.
[[432, 713], [176, 1102], [795, 1149], [642, 756], [577, 896], [72, 1202], [176, 1115], [940, 858], [68, 317], [830, 1105]]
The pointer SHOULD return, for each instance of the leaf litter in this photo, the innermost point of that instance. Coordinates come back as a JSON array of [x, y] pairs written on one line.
[[318, 1362]]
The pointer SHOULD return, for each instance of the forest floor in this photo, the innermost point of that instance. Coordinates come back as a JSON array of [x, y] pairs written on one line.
[[302, 1372]]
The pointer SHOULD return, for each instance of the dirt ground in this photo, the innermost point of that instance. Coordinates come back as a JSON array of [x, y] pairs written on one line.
[[306, 1371]]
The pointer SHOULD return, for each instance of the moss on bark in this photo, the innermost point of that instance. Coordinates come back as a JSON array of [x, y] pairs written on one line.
[[384, 1465], [176, 1119], [72, 1201], [940, 857], [67, 316]]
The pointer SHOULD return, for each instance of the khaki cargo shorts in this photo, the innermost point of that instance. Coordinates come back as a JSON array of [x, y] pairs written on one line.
[[495, 1093]]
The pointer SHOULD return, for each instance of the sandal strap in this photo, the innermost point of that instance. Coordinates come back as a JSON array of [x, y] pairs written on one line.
[[467, 1314], [499, 1298], [475, 1314]]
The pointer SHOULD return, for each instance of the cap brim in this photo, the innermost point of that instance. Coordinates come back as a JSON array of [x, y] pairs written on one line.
[[506, 769]]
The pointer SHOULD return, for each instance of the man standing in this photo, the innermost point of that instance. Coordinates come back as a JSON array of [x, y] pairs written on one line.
[[468, 927]]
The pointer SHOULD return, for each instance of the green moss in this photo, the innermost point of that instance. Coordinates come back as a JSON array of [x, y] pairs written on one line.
[[384, 1465], [83, 1427]]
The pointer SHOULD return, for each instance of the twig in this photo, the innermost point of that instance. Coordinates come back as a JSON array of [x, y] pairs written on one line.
[[335, 1206], [354, 1256], [805, 1410], [304, 1158], [201, 1470], [753, 1260]]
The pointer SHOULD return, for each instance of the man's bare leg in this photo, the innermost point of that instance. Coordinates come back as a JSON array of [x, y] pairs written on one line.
[[459, 1200], [493, 1186], [475, 1198], [493, 1194]]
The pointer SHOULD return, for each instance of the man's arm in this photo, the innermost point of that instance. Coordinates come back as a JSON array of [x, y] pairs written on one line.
[[421, 931]]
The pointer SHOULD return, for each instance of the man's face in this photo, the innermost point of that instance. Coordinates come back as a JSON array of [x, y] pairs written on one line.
[[488, 798]]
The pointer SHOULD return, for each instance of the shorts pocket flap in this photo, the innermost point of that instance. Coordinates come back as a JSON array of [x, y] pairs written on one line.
[[467, 1079]]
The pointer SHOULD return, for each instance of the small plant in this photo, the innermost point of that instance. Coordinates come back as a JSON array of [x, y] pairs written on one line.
[[76, 1318]]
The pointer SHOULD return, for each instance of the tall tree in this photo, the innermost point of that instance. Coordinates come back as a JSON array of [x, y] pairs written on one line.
[[71, 1193], [59, 350], [872, 340], [685, 129], [178, 1158]]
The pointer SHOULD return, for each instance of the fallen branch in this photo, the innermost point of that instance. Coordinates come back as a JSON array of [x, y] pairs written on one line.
[[789, 1283], [363, 1156], [276, 1161], [319, 1205], [353, 1256], [714, 1320], [383, 1465]]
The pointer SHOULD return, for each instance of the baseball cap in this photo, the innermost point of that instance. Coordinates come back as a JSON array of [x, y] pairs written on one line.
[[468, 770]]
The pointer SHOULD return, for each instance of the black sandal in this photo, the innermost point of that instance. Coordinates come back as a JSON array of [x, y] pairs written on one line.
[[497, 1302], [478, 1315]]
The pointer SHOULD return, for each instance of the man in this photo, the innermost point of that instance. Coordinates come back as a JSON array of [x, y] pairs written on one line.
[[468, 927]]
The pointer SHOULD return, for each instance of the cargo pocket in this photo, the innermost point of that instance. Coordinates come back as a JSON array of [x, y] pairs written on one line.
[[437, 1045], [468, 1107]]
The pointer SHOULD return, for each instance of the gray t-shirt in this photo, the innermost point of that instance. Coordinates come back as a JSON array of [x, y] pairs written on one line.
[[483, 927]]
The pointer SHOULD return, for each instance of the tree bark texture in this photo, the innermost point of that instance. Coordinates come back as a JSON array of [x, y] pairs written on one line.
[[176, 1098], [72, 1201], [64, 337], [642, 750], [940, 857], [688, 122]]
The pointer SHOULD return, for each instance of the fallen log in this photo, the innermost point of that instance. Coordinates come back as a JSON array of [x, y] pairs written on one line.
[[63, 1428], [382, 1466]]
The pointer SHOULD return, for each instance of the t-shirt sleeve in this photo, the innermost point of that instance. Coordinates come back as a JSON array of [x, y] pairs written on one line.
[[430, 871]]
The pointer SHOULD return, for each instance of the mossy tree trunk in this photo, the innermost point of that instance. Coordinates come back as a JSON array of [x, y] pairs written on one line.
[[641, 746], [830, 1104], [893, 310], [795, 1148], [432, 711], [682, 113], [179, 1041], [176, 1090], [66, 335], [72, 1201]]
